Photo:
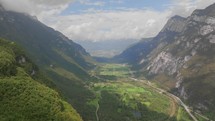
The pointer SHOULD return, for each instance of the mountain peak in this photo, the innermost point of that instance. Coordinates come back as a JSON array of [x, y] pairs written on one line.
[[175, 24], [211, 7], [177, 17], [208, 11]]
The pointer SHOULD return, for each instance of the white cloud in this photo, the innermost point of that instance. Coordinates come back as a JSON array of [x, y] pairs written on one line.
[[186, 7], [112, 25], [19, 5], [36, 7], [97, 3], [101, 25]]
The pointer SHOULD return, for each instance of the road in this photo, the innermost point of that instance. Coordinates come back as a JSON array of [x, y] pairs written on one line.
[[180, 102], [206, 118], [183, 105]]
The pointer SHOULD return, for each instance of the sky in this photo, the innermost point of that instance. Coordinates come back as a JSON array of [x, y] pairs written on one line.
[[105, 20]]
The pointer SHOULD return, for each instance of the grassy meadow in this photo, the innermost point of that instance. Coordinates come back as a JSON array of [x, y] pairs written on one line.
[[113, 71]]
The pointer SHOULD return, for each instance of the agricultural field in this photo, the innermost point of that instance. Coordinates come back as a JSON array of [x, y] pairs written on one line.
[[113, 71], [131, 94], [122, 99]]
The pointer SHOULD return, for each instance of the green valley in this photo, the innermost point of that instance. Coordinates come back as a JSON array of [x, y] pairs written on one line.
[[45, 75], [113, 97], [107, 71], [121, 99]]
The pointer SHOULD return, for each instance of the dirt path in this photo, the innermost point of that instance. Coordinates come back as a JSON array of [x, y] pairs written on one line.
[[97, 109], [173, 107]]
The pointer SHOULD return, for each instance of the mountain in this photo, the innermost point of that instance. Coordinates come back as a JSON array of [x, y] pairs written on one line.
[[182, 59], [47, 46], [24, 98], [137, 53], [130, 54], [63, 61]]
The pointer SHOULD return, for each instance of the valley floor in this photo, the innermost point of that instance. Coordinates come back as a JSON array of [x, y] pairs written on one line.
[[119, 97]]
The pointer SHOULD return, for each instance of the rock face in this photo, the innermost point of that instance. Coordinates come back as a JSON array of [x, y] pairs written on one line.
[[182, 58], [165, 62], [189, 56], [175, 24]]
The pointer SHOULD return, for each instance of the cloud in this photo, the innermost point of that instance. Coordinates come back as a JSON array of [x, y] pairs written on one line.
[[112, 25], [104, 25], [36, 7], [52, 2], [186, 7], [97, 3], [19, 5]]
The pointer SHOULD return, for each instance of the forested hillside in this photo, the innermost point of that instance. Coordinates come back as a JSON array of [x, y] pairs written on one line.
[[24, 91], [63, 61]]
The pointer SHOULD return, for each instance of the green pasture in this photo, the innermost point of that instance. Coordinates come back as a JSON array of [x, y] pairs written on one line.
[[117, 70]]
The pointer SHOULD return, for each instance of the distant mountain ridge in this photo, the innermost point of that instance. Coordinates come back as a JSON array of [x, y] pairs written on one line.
[[182, 59], [108, 48]]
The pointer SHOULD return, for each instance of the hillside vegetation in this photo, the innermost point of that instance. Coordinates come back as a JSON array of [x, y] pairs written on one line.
[[65, 62], [21, 97]]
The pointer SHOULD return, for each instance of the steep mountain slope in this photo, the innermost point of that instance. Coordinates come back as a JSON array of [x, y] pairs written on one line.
[[185, 62], [64, 61], [22, 97], [130, 54], [137, 53], [47, 46]]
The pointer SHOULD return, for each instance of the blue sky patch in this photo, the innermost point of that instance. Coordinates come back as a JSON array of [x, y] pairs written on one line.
[[87, 6]]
